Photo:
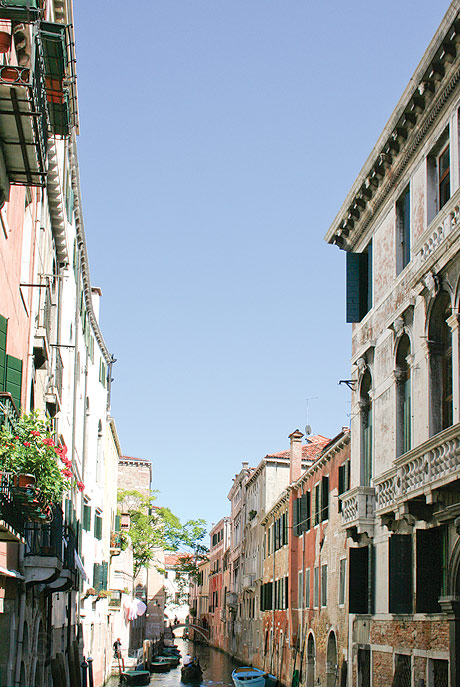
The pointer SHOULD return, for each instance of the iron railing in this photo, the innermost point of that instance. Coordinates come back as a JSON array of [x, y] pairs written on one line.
[[46, 539], [9, 415], [10, 512]]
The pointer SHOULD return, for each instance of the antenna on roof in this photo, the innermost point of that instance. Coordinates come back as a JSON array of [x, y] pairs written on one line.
[[307, 426]]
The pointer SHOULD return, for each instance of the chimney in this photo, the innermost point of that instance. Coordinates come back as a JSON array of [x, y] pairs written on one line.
[[245, 465], [295, 455]]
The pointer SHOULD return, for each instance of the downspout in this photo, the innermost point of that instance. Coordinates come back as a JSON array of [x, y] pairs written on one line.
[[22, 612]]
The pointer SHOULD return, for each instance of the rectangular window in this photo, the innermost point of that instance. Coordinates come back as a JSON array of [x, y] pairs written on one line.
[[342, 580], [364, 668], [316, 588], [400, 573], [324, 585], [402, 675], [344, 480], [285, 529], [361, 580], [359, 284], [403, 230], [429, 570], [307, 588], [443, 169]]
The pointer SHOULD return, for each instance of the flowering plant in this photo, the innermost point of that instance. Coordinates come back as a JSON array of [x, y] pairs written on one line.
[[31, 449]]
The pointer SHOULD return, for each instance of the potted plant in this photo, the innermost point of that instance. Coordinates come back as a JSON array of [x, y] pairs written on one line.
[[40, 465]]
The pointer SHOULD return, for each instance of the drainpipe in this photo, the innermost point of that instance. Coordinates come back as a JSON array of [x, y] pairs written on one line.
[[22, 612]]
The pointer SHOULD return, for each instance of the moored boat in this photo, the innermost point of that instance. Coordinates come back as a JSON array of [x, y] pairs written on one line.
[[191, 672], [172, 660], [136, 677], [245, 676], [159, 666]]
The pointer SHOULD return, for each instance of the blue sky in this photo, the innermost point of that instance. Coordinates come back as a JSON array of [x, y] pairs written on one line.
[[217, 142]]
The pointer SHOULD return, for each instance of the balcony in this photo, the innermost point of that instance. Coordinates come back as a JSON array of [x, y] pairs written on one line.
[[358, 510], [421, 477], [50, 554], [231, 599], [20, 10], [23, 121], [115, 543]]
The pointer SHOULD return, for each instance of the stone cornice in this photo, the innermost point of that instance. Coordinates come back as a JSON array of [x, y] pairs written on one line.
[[426, 95]]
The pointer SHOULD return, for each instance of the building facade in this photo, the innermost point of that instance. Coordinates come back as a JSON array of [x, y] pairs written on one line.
[[399, 227]]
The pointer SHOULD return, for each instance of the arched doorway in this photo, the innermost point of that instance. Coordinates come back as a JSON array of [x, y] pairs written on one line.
[[331, 661], [311, 652]]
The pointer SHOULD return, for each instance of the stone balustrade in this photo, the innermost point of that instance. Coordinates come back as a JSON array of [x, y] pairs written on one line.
[[421, 470]]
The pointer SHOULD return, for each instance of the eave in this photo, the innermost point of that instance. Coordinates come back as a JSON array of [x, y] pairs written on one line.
[[420, 106]]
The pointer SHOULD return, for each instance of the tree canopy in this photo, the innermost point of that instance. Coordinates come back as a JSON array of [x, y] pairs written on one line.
[[153, 527]]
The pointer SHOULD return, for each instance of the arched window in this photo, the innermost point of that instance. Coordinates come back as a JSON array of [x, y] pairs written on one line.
[[441, 382], [366, 429], [403, 397]]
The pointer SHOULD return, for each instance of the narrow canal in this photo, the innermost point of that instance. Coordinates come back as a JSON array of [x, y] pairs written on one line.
[[217, 668]]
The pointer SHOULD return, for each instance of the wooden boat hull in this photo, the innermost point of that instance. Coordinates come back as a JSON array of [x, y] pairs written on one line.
[[160, 667], [246, 676], [172, 660], [191, 673], [136, 677]]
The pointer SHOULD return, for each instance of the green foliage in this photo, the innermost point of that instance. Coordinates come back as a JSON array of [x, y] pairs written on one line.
[[31, 449], [152, 527]]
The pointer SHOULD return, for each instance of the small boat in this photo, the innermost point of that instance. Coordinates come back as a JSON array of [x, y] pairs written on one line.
[[246, 676], [191, 672], [159, 666], [136, 677], [171, 651], [169, 658]]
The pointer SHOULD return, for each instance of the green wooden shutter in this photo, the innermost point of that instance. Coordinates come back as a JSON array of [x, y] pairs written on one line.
[[325, 498], [3, 330], [117, 523], [105, 575], [14, 378], [428, 570], [342, 469], [400, 573], [295, 517], [304, 524], [86, 517], [359, 292], [358, 580]]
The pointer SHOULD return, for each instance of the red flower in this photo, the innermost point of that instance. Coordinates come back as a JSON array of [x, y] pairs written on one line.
[[80, 486], [34, 433], [48, 441], [16, 437], [67, 473], [27, 443]]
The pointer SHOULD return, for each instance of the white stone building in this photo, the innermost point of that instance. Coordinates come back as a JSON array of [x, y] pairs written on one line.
[[400, 227]]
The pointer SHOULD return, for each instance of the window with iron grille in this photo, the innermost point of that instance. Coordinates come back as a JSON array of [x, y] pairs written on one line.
[[438, 673], [402, 674], [364, 667]]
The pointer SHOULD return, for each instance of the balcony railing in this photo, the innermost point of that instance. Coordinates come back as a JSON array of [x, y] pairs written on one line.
[[12, 519], [9, 415], [358, 508], [445, 223], [47, 539], [23, 121], [423, 469]]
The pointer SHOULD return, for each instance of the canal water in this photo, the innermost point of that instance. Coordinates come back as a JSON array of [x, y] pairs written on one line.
[[217, 668]]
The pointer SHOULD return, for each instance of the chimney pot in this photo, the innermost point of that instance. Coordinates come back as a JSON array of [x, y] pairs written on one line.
[[295, 455]]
